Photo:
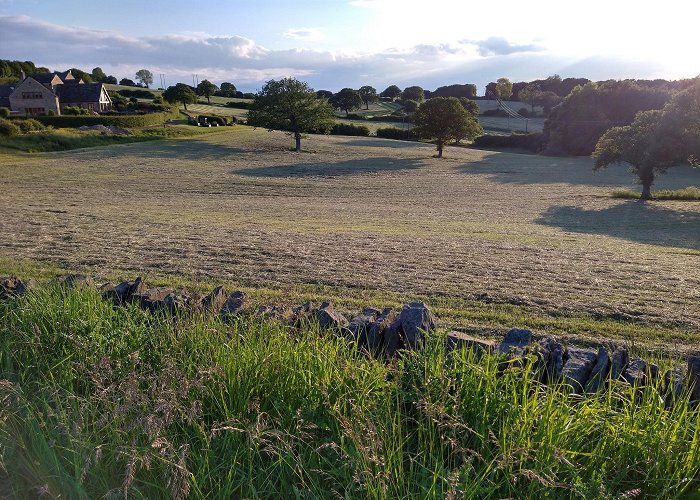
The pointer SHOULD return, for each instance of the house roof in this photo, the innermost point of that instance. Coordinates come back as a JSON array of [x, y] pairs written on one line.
[[5, 91], [44, 78], [86, 92]]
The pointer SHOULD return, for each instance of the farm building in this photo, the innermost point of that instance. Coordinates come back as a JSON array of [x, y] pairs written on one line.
[[42, 93]]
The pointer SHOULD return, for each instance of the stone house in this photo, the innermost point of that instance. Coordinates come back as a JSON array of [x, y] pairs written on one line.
[[42, 93]]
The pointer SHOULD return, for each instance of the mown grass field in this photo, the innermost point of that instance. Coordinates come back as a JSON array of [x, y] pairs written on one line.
[[489, 240]]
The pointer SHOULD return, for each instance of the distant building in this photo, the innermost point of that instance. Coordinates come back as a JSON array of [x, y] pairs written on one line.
[[42, 93]]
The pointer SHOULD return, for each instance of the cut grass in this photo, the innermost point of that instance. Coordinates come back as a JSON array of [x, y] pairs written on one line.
[[99, 401], [691, 193]]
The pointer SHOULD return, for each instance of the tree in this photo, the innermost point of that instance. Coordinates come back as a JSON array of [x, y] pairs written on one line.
[[443, 119], [180, 93], [227, 89], [79, 74], [111, 79], [291, 105], [324, 94], [467, 90], [410, 106], [530, 94], [414, 93], [391, 92], [504, 88], [656, 140], [98, 75], [368, 94], [207, 89], [347, 99], [127, 83], [145, 77], [471, 106]]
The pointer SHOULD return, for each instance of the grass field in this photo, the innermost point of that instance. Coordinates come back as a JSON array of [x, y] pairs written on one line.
[[489, 239]]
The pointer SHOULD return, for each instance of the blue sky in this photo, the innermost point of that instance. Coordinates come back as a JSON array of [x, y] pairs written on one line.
[[338, 43]]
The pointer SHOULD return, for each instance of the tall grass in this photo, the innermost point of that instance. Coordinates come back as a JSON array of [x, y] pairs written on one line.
[[103, 401]]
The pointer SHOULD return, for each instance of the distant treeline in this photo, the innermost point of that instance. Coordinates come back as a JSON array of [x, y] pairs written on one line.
[[11, 71]]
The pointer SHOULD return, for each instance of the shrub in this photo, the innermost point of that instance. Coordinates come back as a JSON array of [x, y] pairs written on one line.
[[397, 133], [126, 121], [4, 113], [410, 106], [495, 112], [355, 116], [141, 94], [29, 125], [213, 119], [7, 128], [238, 104], [531, 142], [524, 112], [349, 129], [74, 111]]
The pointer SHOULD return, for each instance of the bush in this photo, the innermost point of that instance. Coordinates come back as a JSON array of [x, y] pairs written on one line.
[[7, 128], [410, 106], [524, 112], [397, 133], [349, 129], [126, 121], [4, 113], [213, 119], [29, 125], [74, 111], [238, 104], [532, 142], [141, 94], [495, 112]]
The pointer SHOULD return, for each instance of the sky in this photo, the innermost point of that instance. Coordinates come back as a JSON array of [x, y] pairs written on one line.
[[333, 44]]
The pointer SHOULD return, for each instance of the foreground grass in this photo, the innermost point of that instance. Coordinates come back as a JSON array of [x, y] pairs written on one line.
[[67, 139], [98, 401], [691, 193]]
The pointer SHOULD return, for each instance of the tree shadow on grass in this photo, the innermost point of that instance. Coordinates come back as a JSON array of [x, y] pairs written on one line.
[[377, 142], [632, 220], [167, 149], [341, 168]]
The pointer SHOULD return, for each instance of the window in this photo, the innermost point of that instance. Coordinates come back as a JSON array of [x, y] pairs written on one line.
[[31, 95], [35, 111]]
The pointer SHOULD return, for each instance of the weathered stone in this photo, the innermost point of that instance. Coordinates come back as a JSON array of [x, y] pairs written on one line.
[[214, 302], [577, 368], [550, 359], [620, 360], [460, 340], [280, 313], [392, 341], [235, 304], [304, 312], [75, 281], [636, 372], [124, 291], [152, 299], [359, 325], [416, 319], [328, 317], [375, 334], [673, 385], [694, 377], [653, 369], [177, 302], [515, 342], [11, 286], [600, 371]]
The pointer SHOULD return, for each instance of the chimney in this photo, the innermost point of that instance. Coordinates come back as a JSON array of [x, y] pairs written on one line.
[[22, 75]]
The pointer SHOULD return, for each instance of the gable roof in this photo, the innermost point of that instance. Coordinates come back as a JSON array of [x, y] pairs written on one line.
[[86, 92], [44, 78]]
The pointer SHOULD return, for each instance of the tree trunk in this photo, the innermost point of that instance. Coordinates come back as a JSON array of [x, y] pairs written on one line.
[[183, 102], [647, 178], [366, 104], [208, 100], [297, 140], [439, 149]]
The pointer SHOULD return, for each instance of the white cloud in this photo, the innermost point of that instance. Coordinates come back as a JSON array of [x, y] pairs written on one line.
[[305, 34]]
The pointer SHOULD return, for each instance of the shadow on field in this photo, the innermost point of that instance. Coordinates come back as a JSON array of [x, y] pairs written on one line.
[[632, 220], [348, 167], [187, 150], [386, 143]]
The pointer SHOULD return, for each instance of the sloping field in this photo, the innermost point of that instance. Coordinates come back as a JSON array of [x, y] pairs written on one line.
[[364, 215]]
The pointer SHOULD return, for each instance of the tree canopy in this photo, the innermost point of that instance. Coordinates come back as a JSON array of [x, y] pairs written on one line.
[[467, 90], [368, 94], [180, 93], [656, 140], [227, 89], [145, 77], [504, 88], [347, 99], [443, 119], [290, 105], [413, 93], [391, 92], [207, 89]]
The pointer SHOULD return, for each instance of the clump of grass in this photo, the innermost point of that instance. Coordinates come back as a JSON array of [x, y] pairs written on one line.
[[100, 401], [691, 193]]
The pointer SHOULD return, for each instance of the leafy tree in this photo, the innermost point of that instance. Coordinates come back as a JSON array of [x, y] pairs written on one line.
[[207, 89], [98, 75], [656, 140], [368, 94], [391, 92], [530, 94], [504, 88], [471, 106], [111, 79], [291, 105], [180, 93], [227, 89], [443, 119], [347, 99], [79, 74], [127, 83], [411, 106], [145, 77], [467, 90], [324, 94], [414, 93]]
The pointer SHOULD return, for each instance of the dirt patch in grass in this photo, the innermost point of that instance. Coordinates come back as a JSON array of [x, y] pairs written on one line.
[[540, 233]]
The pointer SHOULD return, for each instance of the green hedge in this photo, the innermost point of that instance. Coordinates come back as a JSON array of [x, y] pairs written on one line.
[[120, 121], [349, 129], [397, 133]]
